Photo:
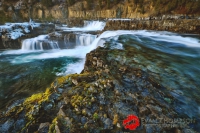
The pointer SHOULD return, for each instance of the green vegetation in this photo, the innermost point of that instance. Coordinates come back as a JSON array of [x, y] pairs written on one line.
[[95, 116]]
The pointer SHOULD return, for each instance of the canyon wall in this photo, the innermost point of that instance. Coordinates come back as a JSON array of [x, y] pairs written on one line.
[[120, 10], [23, 11]]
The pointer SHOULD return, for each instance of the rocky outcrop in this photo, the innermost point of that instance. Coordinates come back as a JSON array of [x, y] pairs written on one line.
[[13, 34], [98, 100], [181, 26]]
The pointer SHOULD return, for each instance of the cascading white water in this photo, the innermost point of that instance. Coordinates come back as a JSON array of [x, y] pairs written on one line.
[[39, 43], [94, 25], [42, 43], [53, 45], [85, 39], [33, 43], [88, 26]]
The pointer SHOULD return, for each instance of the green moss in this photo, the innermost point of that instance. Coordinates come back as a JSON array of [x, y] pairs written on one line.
[[95, 116], [38, 98], [52, 126]]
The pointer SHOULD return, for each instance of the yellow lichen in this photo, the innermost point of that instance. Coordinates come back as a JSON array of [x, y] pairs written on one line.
[[115, 120], [52, 126], [35, 98], [39, 97]]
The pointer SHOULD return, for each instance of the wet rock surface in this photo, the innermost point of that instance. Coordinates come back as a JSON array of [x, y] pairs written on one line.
[[98, 100]]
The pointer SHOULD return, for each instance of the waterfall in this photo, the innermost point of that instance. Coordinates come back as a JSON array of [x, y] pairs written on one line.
[[39, 43], [88, 26], [71, 40], [94, 25], [85, 39], [53, 45]]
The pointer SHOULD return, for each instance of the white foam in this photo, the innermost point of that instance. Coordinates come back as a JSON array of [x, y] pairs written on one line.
[[33, 43], [19, 29], [78, 52], [16, 34], [85, 39], [36, 43], [73, 68], [81, 51], [157, 36]]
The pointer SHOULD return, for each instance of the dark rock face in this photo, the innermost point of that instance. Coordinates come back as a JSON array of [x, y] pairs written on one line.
[[43, 29], [64, 39], [10, 43], [1, 43], [75, 22], [97, 100], [181, 26]]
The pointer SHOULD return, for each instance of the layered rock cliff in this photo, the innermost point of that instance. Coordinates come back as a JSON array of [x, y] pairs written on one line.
[[23, 10]]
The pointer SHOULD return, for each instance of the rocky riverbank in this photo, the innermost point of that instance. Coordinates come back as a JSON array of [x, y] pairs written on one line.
[[12, 34], [22, 32], [109, 88]]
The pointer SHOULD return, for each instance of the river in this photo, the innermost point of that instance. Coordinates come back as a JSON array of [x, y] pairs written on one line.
[[173, 59]]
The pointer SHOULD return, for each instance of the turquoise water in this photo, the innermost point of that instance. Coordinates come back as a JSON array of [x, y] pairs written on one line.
[[174, 64], [173, 60], [23, 73]]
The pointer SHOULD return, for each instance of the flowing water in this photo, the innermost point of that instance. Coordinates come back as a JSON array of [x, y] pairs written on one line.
[[39, 61], [173, 59]]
